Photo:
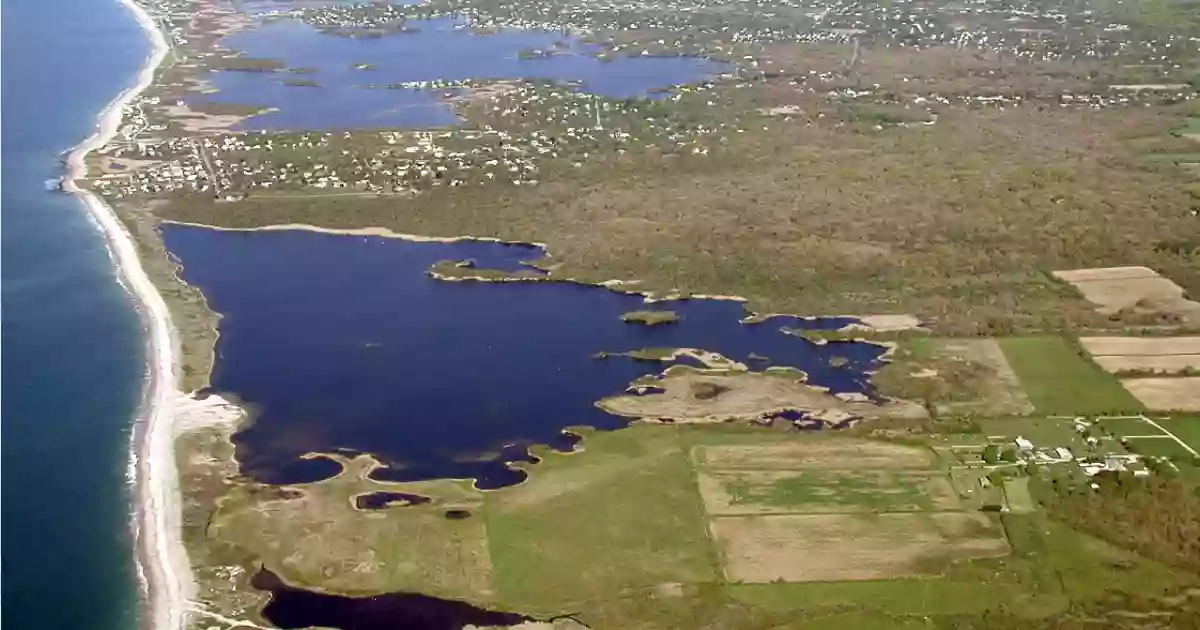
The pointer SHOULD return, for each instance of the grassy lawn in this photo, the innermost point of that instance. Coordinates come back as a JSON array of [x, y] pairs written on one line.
[[1044, 432], [1016, 492], [1186, 428], [1127, 426], [623, 516], [906, 596], [1191, 127], [803, 491], [1159, 447], [1079, 567], [1058, 379]]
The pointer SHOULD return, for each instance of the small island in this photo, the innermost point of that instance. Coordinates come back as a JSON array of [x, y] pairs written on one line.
[[650, 318]]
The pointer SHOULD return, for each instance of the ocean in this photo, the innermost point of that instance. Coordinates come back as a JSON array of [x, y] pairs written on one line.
[[71, 340]]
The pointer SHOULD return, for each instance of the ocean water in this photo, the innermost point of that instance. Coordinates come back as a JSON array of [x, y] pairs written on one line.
[[344, 343], [439, 50], [71, 339]]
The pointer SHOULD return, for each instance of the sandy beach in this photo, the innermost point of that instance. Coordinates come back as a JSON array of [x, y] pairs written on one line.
[[162, 560]]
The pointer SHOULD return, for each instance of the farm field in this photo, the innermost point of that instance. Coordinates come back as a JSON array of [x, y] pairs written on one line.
[[1185, 427], [1167, 393], [1127, 426], [1159, 447], [1059, 379]]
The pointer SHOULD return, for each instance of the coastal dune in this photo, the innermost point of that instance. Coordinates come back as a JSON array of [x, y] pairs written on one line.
[[163, 564]]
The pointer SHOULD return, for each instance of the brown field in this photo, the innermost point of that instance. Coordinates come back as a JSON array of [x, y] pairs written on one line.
[[1132, 290], [1001, 393], [780, 492], [954, 376], [1099, 346], [1166, 394], [1154, 354], [1167, 364], [827, 547], [831, 454]]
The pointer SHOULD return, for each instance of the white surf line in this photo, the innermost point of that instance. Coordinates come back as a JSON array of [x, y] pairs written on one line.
[[1172, 436], [162, 562]]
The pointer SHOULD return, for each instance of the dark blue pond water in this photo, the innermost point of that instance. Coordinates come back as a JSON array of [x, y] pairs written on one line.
[[383, 500], [345, 343], [440, 50], [292, 607]]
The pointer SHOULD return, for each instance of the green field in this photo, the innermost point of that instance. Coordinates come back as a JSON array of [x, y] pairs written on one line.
[[1058, 379], [873, 492], [1052, 566], [1043, 432], [619, 534], [1191, 127], [1121, 427], [623, 515], [1159, 447], [1185, 427], [1016, 492]]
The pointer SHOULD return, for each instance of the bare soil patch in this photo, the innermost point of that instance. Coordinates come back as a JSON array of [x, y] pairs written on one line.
[[998, 392], [832, 454], [1142, 346], [1151, 354], [1166, 394], [1165, 364], [1132, 291], [830, 547]]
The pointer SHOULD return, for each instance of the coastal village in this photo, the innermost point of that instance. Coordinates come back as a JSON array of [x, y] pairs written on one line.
[[512, 130]]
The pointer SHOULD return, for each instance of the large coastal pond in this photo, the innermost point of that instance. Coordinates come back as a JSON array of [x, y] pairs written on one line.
[[435, 50], [345, 343]]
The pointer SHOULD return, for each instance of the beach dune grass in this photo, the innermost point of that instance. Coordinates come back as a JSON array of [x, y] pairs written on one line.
[[1059, 379], [650, 318]]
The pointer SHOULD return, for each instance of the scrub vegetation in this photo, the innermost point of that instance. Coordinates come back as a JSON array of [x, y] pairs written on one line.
[[650, 318]]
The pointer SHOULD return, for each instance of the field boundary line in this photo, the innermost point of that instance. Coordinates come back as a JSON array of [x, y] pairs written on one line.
[[844, 513], [1173, 436]]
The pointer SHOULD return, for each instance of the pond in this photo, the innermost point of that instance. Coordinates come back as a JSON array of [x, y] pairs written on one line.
[[291, 607], [346, 344], [443, 49]]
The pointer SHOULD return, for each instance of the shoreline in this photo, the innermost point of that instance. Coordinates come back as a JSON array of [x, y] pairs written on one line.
[[362, 231], [162, 564]]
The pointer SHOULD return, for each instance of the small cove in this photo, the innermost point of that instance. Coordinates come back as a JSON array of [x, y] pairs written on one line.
[[346, 344], [435, 50]]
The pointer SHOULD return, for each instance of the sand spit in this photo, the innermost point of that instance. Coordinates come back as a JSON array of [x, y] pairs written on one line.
[[364, 231], [162, 560]]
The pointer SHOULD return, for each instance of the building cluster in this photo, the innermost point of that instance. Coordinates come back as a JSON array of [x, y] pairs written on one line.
[[516, 132], [346, 18], [173, 18], [1032, 30]]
